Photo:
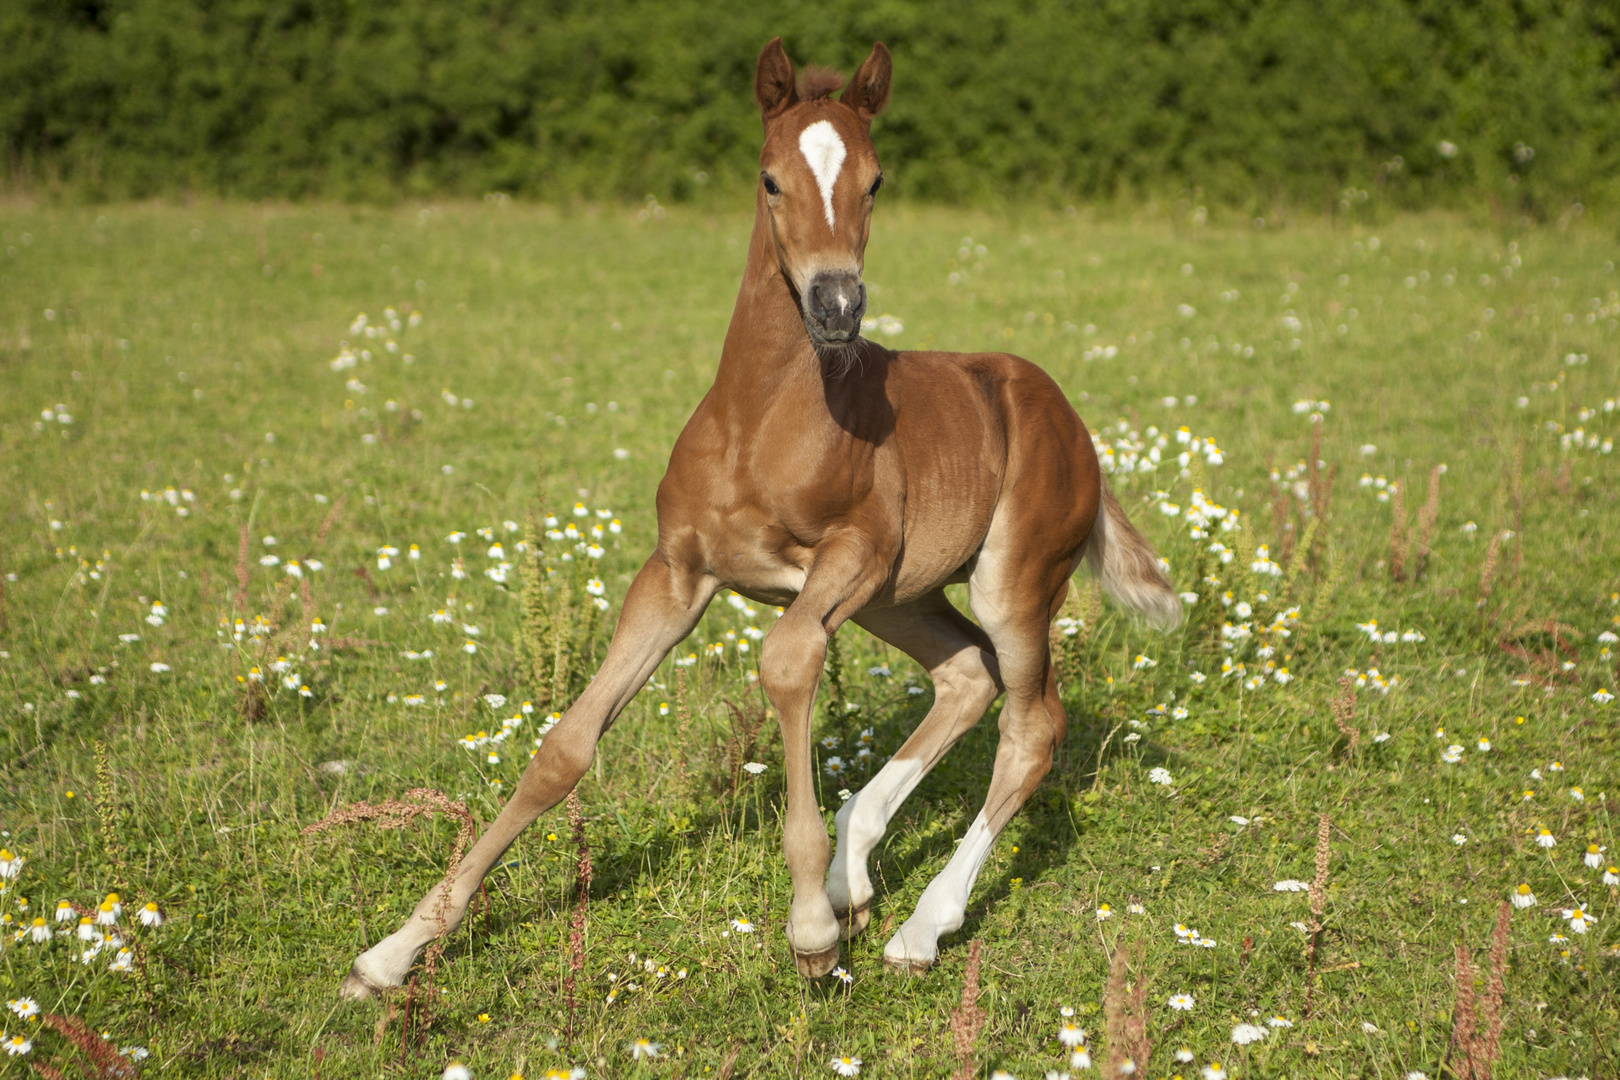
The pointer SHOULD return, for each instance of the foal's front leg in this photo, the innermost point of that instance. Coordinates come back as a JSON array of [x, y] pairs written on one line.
[[660, 608], [843, 578]]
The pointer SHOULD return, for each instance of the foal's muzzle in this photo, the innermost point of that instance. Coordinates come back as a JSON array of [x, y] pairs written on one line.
[[833, 306]]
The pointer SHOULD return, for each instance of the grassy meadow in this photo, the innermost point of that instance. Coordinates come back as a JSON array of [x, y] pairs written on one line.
[[192, 411]]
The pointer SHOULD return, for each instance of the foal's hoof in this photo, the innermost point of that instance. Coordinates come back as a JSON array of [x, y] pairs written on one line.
[[355, 986], [815, 965], [912, 950], [906, 965], [853, 922]]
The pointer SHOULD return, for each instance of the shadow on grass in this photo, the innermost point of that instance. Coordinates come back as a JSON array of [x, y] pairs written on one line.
[[920, 840]]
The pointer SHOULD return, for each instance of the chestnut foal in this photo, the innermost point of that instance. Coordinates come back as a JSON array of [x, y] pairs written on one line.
[[828, 474]]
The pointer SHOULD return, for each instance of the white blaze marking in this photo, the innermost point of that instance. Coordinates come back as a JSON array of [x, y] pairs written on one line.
[[824, 151]]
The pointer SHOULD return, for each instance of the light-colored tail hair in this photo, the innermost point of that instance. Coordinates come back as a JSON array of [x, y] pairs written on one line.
[[1128, 567]]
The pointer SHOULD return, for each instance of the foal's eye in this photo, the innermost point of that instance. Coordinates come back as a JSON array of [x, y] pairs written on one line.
[[873, 190], [770, 185]]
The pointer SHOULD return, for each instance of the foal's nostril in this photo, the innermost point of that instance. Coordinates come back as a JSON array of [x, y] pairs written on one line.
[[836, 304]]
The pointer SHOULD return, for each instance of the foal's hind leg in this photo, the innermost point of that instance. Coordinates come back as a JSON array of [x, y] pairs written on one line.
[[962, 665], [661, 607], [1015, 602]]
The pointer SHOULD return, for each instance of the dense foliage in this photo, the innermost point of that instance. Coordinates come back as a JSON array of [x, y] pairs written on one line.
[[1238, 103]]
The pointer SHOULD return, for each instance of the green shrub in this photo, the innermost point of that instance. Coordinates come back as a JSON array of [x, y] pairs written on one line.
[[1243, 102]]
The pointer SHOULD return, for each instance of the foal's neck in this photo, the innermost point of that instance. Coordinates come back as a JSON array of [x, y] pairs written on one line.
[[767, 350]]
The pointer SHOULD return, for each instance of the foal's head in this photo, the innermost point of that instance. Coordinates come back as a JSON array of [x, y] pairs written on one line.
[[818, 177]]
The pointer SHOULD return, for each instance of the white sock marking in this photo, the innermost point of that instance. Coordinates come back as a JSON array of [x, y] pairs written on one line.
[[944, 902], [824, 151], [861, 824]]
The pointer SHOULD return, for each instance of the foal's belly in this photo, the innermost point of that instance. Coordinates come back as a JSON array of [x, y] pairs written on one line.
[[927, 563], [778, 586]]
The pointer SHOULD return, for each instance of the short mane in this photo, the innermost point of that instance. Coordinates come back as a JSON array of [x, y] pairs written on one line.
[[817, 83]]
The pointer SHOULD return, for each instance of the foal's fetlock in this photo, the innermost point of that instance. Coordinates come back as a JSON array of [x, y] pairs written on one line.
[[851, 899], [849, 889]]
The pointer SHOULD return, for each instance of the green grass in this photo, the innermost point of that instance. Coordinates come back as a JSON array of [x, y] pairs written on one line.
[[192, 346]]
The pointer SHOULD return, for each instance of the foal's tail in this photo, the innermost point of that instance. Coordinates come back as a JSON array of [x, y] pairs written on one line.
[[1129, 568]]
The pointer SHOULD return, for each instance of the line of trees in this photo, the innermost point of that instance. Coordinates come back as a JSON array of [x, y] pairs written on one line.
[[1235, 101]]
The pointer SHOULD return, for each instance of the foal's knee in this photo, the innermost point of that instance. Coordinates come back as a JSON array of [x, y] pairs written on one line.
[[555, 768], [971, 676], [791, 656]]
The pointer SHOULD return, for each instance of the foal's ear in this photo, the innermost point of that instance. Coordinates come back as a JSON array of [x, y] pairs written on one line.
[[869, 90], [773, 81]]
